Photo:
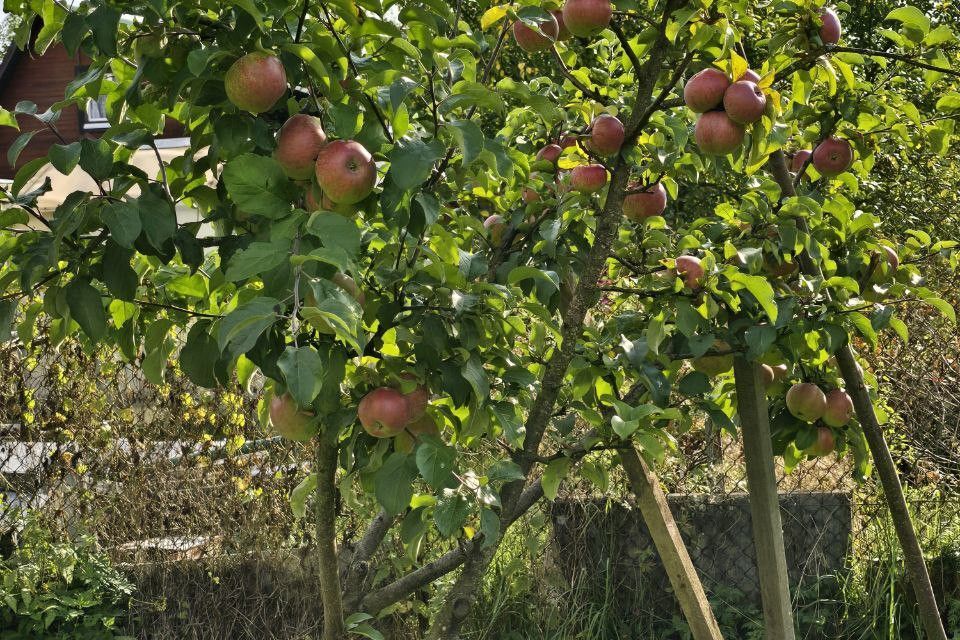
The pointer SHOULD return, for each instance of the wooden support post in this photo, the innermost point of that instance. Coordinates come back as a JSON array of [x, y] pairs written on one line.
[[673, 553], [893, 490], [764, 501], [886, 469]]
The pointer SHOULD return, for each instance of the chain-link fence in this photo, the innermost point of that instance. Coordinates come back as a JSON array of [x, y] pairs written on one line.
[[189, 495]]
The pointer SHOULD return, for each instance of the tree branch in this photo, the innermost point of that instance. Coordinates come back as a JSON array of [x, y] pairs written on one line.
[[900, 57], [587, 91]]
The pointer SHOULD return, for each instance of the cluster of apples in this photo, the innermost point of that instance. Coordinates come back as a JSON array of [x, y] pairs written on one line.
[[343, 170], [806, 401], [581, 18], [725, 108], [387, 412]]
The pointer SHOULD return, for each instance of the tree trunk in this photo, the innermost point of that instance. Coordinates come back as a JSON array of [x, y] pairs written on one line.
[[333, 626], [886, 470]]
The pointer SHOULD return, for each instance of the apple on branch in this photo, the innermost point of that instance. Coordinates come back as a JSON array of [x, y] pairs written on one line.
[[346, 172], [298, 144], [255, 82]]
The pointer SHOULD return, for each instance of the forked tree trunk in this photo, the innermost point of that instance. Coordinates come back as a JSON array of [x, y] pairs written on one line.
[[886, 469]]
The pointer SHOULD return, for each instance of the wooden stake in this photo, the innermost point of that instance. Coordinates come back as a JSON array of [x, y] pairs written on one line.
[[764, 501], [673, 553]]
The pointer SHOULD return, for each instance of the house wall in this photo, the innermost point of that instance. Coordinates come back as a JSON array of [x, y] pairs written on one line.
[[43, 80]]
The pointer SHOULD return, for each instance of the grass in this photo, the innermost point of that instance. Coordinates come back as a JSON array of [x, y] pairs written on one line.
[[527, 597]]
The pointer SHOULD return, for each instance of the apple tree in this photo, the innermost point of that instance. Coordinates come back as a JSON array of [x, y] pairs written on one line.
[[462, 279]]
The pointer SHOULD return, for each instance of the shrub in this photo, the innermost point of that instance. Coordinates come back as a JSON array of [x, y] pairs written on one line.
[[55, 589]]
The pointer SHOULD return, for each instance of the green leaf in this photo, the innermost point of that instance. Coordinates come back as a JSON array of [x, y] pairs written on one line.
[[450, 513], [251, 8], [435, 461], [759, 288], [949, 101], [64, 157], [86, 307], [469, 138], [18, 145], [520, 273], [243, 326], [493, 15], [199, 355], [320, 71], [257, 259], [943, 307], [504, 471], [339, 311], [118, 275], [96, 158], [157, 216], [334, 230], [104, 23], [8, 119], [194, 286], [412, 162], [474, 374], [25, 173], [555, 472], [123, 221], [300, 493], [302, 370], [393, 483], [258, 186], [912, 17]]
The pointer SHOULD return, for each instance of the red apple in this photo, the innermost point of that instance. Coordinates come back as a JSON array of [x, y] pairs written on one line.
[[830, 29], [704, 91], [588, 178], [563, 33], [825, 443], [643, 205], [567, 141], [606, 135], [585, 18], [832, 157], [839, 409], [384, 412], [744, 102], [806, 401], [691, 271], [406, 440], [780, 372], [346, 171], [530, 40], [298, 144], [800, 159], [495, 226], [750, 75], [716, 134], [550, 153], [255, 82], [289, 421], [529, 195]]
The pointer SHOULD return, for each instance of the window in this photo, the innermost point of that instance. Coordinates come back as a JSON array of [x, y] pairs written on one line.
[[95, 115]]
